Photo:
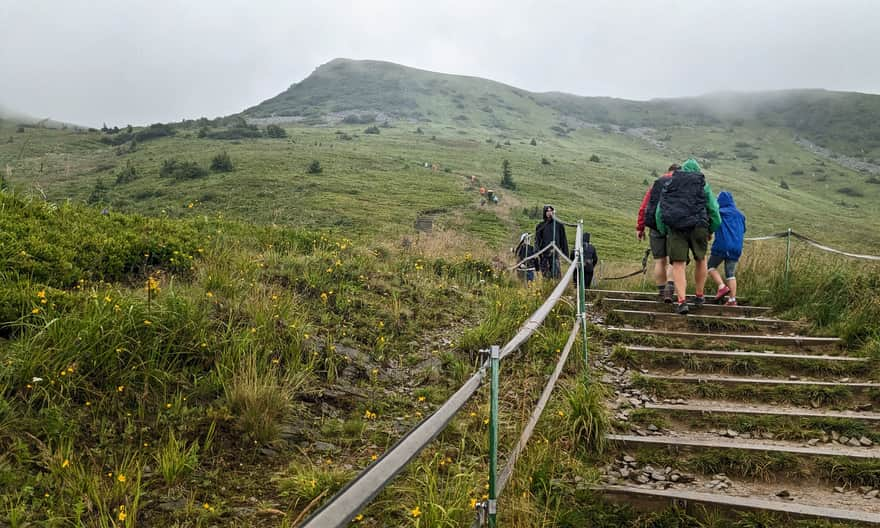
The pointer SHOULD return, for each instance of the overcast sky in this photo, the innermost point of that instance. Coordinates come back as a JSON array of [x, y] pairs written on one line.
[[133, 61]]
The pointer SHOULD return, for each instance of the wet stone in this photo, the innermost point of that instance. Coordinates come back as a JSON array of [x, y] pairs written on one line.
[[854, 443], [838, 489], [813, 442], [865, 441]]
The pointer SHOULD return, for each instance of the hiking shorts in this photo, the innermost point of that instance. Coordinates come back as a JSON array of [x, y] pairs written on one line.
[[679, 243], [657, 241], [729, 266]]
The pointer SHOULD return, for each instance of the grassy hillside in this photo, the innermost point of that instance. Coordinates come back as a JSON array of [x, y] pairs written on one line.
[[377, 184]]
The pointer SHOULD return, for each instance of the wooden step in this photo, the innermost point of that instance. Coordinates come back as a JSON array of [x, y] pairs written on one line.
[[644, 498], [696, 321], [707, 309], [770, 355], [764, 410], [643, 296], [767, 382], [751, 445], [803, 343]]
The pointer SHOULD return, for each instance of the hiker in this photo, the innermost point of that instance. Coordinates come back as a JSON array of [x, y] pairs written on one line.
[[687, 214], [591, 258], [656, 240], [547, 232], [727, 247], [523, 250]]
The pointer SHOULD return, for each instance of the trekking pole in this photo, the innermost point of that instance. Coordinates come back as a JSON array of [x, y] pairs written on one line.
[[494, 362], [787, 255]]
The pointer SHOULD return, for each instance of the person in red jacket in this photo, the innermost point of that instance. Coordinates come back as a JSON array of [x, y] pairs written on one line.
[[657, 240]]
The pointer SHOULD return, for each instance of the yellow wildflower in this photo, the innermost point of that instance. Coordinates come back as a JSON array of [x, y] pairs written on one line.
[[120, 477], [120, 388], [374, 457], [209, 295], [107, 299], [167, 405], [421, 398], [473, 503], [358, 518], [35, 311], [66, 463], [122, 515], [415, 512], [147, 322]]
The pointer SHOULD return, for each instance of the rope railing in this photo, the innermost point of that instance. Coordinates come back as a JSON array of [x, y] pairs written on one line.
[[810, 241], [354, 496]]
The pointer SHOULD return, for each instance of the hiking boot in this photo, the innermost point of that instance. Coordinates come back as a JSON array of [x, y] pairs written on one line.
[[699, 300], [681, 308], [721, 293], [730, 302], [667, 293]]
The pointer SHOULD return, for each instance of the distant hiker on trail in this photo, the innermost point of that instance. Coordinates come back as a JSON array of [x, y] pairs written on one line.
[[656, 240], [591, 258], [687, 214], [727, 247], [547, 232], [523, 250]]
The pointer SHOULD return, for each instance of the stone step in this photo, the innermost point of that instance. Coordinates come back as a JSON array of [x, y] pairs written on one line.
[[696, 321], [711, 407], [762, 382], [770, 355], [872, 453], [707, 339], [642, 296], [648, 498], [707, 309], [797, 392]]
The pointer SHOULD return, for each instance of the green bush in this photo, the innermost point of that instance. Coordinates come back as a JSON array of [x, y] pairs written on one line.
[[275, 131], [594, 158], [58, 246], [315, 167], [181, 170], [221, 162], [240, 132], [127, 174], [372, 130]]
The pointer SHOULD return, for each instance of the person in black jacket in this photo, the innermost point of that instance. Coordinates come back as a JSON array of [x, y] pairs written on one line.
[[547, 232], [591, 258]]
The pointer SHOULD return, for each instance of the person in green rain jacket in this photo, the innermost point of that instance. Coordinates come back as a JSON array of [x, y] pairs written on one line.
[[688, 215]]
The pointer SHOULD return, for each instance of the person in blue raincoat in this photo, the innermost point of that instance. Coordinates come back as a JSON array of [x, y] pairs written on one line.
[[727, 247]]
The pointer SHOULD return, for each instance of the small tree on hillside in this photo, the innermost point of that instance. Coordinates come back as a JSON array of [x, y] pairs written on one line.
[[315, 167], [98, 194], [594, 158], [507, 176], [533, 142]]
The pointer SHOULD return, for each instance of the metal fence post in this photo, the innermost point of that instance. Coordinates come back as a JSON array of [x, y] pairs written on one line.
[[582, 289], [787, 255], [493, 434]]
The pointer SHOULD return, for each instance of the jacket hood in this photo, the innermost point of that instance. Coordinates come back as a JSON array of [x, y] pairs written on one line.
[[691, 165], [544, 212], [725, 199], [586, 238]]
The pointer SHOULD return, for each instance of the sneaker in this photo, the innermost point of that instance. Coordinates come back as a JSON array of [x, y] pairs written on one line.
[[730, 302], [721, 293], [681, 308], [699, 300], [667, 293]]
